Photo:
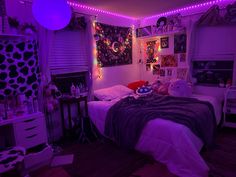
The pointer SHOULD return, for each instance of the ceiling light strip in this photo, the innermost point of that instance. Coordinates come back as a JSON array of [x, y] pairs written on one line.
[[188, 8], [77, 5]]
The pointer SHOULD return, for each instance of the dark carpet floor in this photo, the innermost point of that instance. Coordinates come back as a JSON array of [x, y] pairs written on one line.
[[104, 159]]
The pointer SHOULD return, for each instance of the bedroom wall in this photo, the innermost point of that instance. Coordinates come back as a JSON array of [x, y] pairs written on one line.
[[110, 75], [207, 43]]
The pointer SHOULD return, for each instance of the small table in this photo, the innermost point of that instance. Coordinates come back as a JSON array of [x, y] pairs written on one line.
[[68, 101]]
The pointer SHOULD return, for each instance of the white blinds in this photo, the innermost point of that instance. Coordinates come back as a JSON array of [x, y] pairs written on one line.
[[68, 52]]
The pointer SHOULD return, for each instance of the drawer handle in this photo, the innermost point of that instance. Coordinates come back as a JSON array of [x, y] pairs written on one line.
[[28, 137], [31, 128], [29, 120]]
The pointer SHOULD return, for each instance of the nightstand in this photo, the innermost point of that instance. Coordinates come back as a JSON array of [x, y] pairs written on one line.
[[67, 102], [229, 109]]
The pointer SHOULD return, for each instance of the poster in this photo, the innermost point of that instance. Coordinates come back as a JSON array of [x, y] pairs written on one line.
[[169, 61]]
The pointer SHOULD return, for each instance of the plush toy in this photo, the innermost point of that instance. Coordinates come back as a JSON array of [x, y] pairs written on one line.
[[51, 95], [144, 90], [179, 88]]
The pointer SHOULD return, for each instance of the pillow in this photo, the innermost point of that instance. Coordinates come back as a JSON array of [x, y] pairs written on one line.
[[180, 88], [111, 93], [136, 85]]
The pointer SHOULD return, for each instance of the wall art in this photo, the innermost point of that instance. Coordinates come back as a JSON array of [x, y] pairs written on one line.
[[156, 69], [162, 72], [114, 45], [180, 41], [164, 42], [169, 61], [148, 67], [19, 68], [169, 72], [151, 51], [182, 57], [182, 73]]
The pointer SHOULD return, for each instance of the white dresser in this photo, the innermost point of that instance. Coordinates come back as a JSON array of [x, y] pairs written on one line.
[[30, 130]]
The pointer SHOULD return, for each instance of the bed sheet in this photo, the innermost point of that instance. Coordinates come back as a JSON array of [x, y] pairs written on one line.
[[168, 142]]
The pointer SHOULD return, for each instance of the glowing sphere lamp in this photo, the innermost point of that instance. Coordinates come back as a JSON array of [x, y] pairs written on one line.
[[51, 14]]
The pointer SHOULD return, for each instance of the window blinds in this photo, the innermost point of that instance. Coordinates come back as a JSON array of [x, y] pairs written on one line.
[[68, 52]]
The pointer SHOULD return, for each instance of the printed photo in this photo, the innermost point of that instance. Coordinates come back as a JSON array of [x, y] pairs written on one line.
[[164, 42], [156, 69], [182, 73], [169, 61]]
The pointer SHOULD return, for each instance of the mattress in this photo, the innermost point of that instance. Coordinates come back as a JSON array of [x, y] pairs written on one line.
[[168, 142]]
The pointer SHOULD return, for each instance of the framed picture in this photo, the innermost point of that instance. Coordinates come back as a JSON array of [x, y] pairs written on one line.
[[180, 41], [164, 42], [169, 61]]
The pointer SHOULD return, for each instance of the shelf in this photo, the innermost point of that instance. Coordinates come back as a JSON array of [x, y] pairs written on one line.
[[8, 35], [213, 69], [162, 34]]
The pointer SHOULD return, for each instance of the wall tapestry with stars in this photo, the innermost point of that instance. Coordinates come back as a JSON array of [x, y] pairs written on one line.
[[19, 68], [114, 45]]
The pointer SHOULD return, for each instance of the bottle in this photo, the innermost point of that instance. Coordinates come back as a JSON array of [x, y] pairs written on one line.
[[77, 93], [30, 105], [35, 105], [72, 89]]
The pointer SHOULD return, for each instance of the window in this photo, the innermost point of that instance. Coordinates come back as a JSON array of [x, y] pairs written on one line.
[[68, 52]]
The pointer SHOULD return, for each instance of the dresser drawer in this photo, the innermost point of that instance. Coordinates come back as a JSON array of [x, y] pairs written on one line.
[[30, 132]]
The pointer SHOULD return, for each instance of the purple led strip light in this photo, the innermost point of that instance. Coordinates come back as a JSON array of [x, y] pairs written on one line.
[[187, 8], [77, 5]]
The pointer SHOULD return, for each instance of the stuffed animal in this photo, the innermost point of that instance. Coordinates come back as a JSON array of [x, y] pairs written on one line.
[[179, 88], [51, 95]]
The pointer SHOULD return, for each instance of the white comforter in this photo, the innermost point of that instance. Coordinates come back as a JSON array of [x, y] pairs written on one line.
[[168, 142]]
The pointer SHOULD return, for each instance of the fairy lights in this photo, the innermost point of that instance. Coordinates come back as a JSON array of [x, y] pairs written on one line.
[[180, 10]]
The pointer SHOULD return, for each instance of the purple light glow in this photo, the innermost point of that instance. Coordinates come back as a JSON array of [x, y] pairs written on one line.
[[188, 8], [77, 5]]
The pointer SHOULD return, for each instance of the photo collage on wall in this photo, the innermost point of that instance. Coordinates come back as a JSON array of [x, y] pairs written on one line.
[[173, 62], [114, 45]]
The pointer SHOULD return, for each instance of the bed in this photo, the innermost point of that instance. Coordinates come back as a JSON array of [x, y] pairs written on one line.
[[168, 142]]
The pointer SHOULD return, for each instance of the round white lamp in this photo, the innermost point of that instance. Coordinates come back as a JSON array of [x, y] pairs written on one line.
[[52, 14]]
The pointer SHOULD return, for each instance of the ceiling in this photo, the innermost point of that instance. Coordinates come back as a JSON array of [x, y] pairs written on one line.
[[138, 8]]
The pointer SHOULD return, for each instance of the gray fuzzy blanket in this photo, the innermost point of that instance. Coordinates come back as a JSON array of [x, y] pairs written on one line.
[[126, 119]]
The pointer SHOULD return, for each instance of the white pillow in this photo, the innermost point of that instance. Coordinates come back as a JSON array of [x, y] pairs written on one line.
[[179, 88], [110, 93]]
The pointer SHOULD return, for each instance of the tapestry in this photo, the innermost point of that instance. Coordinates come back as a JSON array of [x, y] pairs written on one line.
[[169, 61], [19, 68], [114, 45]]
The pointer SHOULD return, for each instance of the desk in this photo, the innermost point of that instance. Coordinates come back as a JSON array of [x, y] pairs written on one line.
[[29, 130], [68, 101]]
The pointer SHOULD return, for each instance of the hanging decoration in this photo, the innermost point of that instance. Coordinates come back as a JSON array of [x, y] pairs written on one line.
[[51, 15], [20, 73], [114, 45]]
